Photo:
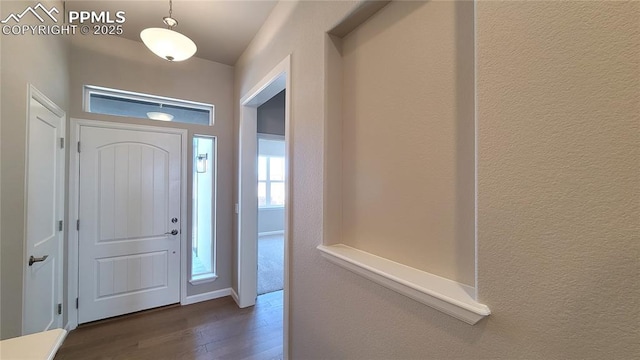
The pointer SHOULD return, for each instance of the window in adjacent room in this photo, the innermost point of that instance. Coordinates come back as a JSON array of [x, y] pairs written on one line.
[[271, 171], [106, 101]]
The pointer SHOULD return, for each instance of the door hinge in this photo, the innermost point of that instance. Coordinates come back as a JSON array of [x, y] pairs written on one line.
[[78, 224], [60, 224], [77, 302], [61, 143], [59, 309], [78, 146]]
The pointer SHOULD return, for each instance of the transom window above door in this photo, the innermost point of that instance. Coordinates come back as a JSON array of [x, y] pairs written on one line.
[[271, 171], [106, 101]]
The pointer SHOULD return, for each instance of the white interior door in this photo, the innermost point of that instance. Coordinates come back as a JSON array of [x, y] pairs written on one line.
[[44, 213], [129, 235]]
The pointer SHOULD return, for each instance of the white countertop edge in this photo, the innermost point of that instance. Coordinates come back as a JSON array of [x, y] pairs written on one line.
[[43, 345]]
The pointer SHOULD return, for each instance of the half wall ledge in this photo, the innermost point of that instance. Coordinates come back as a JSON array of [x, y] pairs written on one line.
[[448, 296]]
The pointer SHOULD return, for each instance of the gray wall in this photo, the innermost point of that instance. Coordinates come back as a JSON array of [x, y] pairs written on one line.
[[43, 62], [271, 115], [557, 197], [134, 68]]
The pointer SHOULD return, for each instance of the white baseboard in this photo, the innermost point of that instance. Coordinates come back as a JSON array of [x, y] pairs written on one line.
[[235, 297], [267, 233], [207, 296]]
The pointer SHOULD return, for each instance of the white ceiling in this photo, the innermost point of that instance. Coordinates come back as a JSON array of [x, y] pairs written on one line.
[[220, 29]]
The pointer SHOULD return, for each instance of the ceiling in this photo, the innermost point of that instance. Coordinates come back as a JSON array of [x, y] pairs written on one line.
[[220, 29]]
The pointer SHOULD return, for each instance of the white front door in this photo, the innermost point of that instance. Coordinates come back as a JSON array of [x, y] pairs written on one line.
[[44, 214], [129, 206]]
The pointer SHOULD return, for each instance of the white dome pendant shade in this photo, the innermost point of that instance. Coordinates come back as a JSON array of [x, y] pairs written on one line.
[[157, 115], [167, 43]]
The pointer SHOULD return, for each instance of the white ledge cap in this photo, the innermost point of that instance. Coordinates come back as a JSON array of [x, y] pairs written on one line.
[[450, 297]]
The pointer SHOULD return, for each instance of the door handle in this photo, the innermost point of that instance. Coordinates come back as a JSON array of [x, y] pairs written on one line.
[[172, 232], [33, 260]]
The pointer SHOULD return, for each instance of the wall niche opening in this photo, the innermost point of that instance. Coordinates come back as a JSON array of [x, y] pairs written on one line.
[[399, 193]]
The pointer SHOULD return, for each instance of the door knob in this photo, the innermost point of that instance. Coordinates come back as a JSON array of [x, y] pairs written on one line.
[[172, 232], [33, 260]]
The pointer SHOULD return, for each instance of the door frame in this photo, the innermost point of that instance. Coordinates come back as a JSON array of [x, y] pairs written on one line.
[[278, 79], [73, 275], [34, 94]]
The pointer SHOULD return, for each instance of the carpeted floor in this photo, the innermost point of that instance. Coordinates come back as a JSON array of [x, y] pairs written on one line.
[[270, 263]]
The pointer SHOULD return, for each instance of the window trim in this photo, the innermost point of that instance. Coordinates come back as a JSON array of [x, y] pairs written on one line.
[[89, 90]]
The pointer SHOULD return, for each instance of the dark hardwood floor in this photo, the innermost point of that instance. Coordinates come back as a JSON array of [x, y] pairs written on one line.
[[215, 329]]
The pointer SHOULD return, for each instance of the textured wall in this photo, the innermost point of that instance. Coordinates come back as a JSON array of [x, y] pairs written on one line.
[[557, 121], [558, 225], [408, 137], [134, 68], [41, 61]]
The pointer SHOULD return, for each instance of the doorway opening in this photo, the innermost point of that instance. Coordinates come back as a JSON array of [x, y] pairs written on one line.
[[275, 190], [271, 194]]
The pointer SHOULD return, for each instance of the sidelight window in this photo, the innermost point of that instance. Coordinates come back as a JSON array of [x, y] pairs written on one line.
[[203, 229]]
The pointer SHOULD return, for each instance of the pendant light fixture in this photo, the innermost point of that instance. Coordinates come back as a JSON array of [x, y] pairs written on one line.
[[167, 43]]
